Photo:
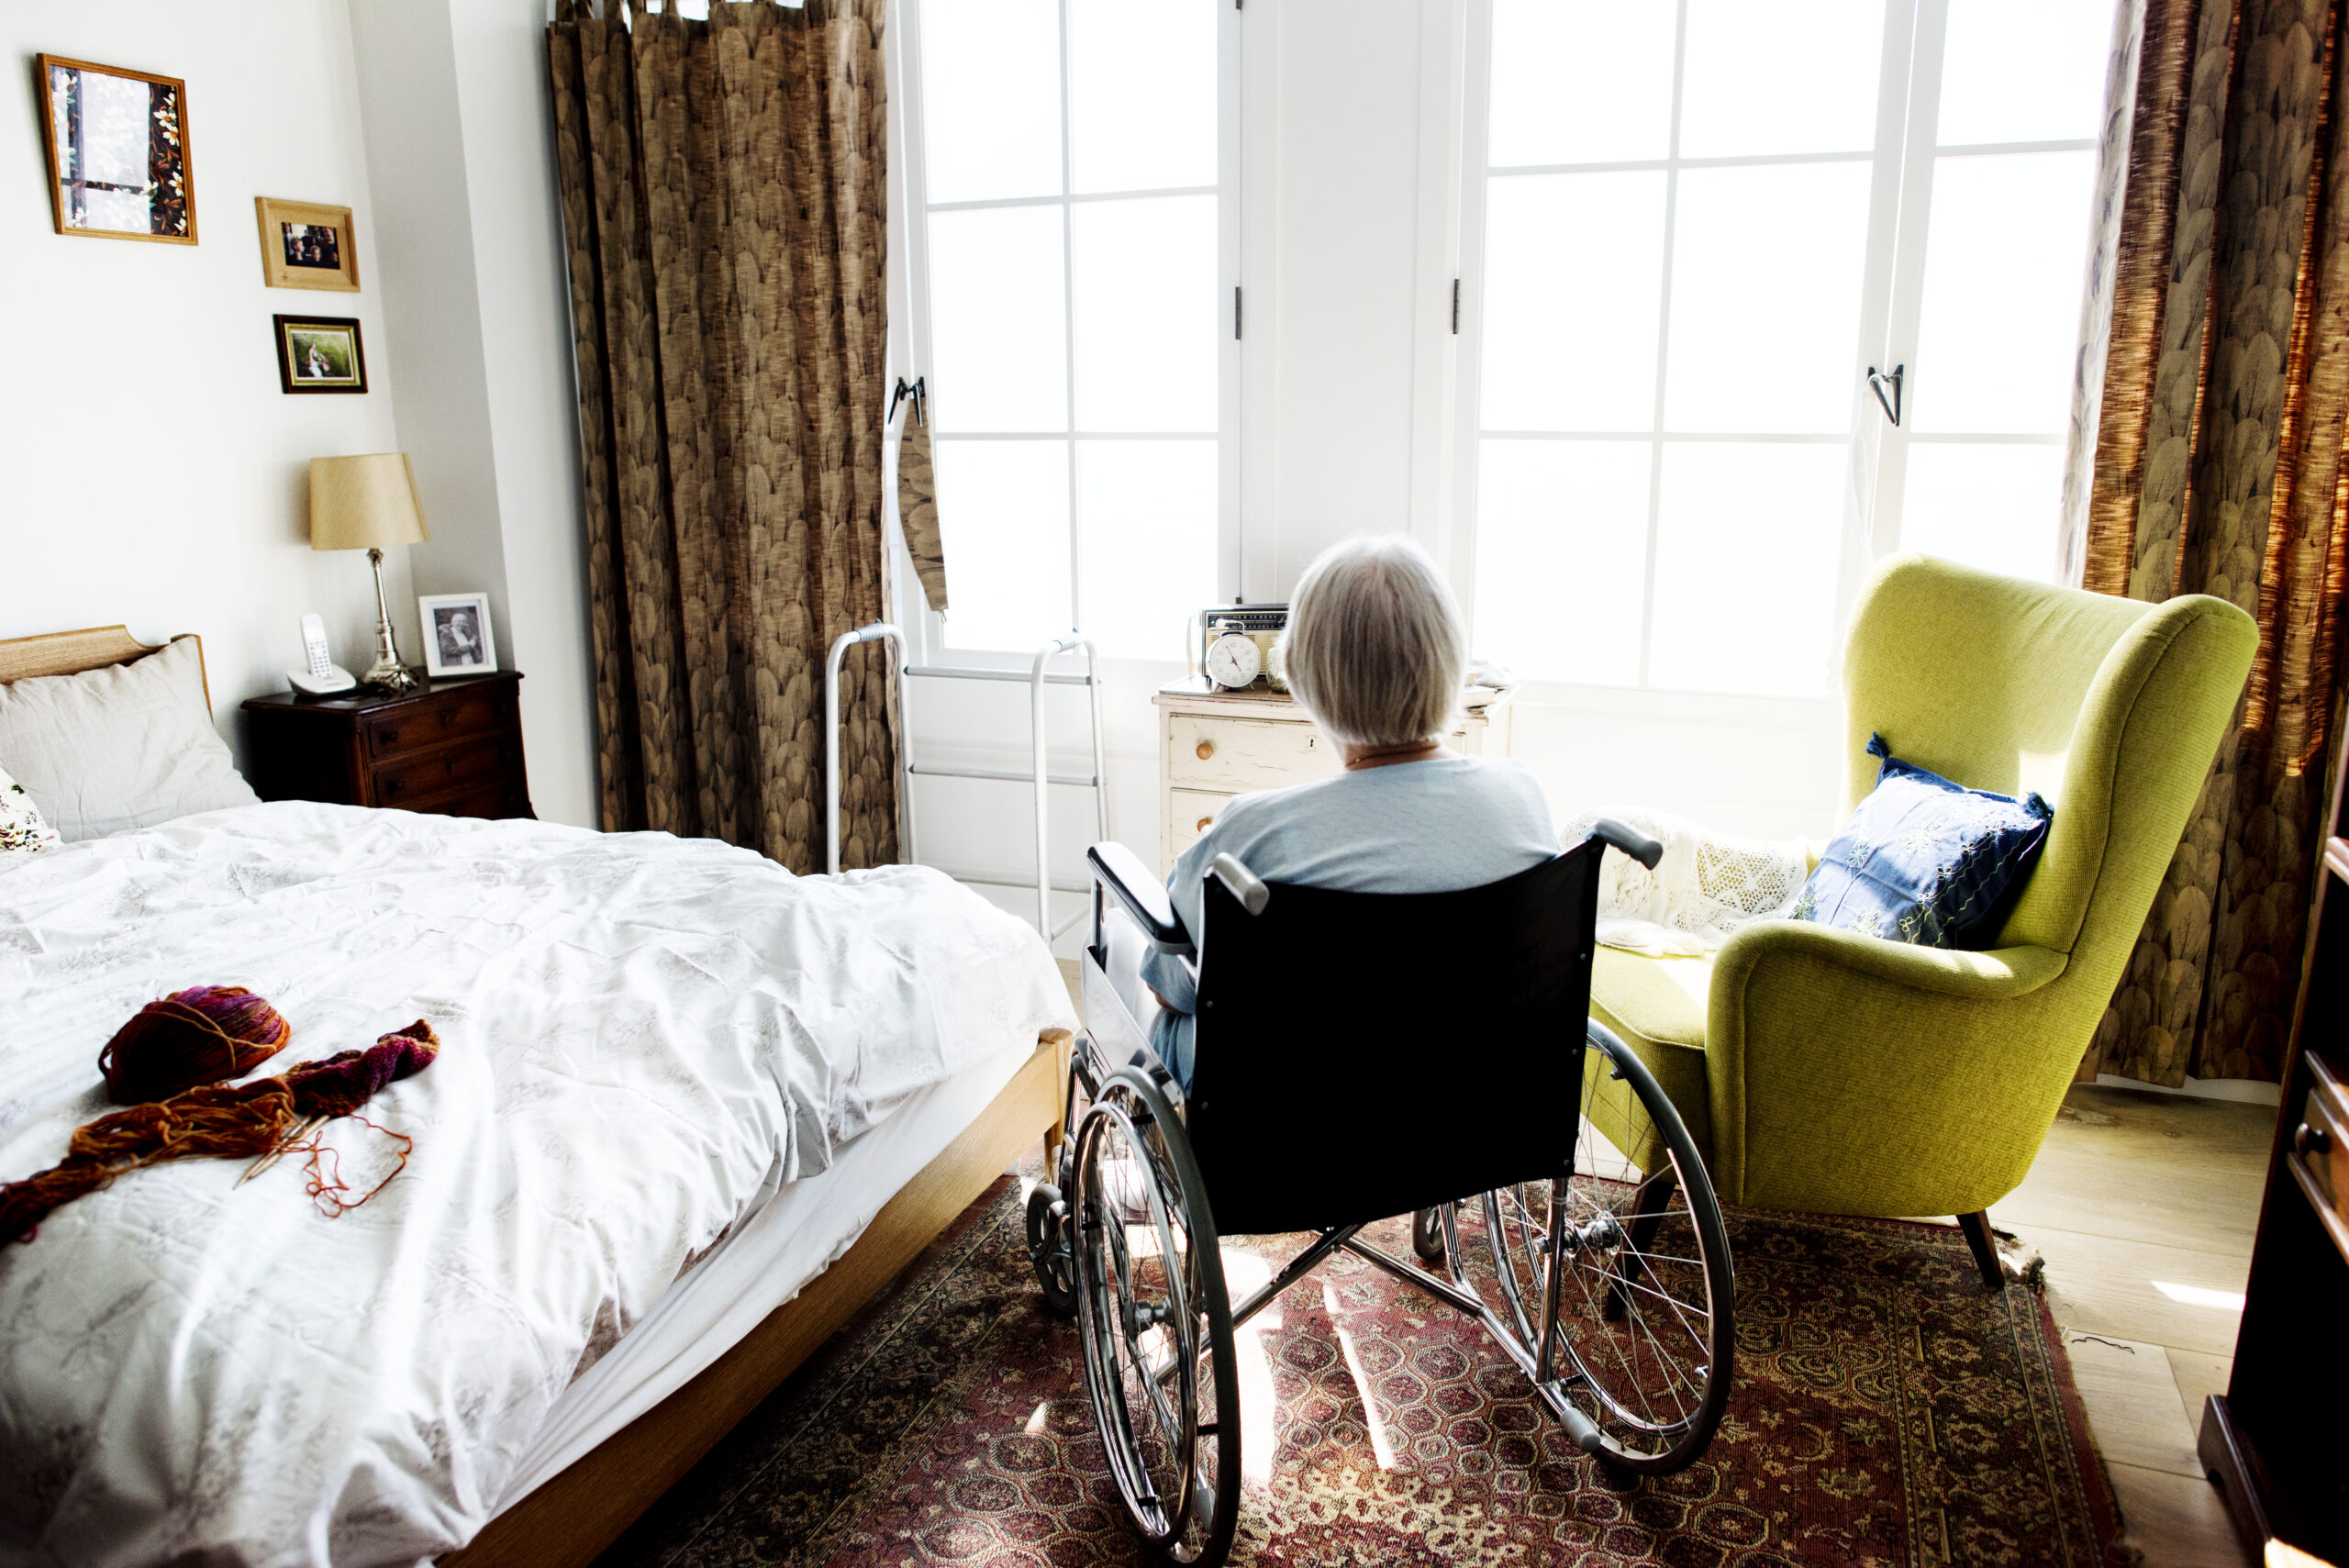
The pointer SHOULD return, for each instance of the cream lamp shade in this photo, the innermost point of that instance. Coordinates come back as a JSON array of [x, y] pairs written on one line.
[[364, 503]]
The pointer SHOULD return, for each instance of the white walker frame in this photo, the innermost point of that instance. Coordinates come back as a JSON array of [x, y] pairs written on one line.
[[1037, 678]]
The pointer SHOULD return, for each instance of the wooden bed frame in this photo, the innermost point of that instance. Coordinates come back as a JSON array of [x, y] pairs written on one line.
[[72, 652], [572, 1518]]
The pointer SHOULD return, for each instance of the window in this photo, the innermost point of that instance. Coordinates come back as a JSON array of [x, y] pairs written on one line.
[[1071, 269], [1698, 225]]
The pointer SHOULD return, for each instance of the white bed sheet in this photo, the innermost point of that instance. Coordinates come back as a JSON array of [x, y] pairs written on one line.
[[643, 1039], [773, 1256]]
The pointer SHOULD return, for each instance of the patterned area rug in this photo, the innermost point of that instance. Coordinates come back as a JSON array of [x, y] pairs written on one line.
[[1888, 1411]]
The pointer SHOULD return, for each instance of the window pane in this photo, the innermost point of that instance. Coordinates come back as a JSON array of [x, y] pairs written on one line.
[[1146, 521], [1767, 78], [1765, 298], [1746, 555], [2005, 263], [1147, 315], [1992, 507], [999, 327], [1003, 520], [1562, 558], [1580, 81], [1141, 93], [991, 98], [1570, 322], [2024, 71]]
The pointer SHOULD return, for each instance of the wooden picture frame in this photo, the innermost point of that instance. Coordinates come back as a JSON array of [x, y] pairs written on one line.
[[159, 203], [306, 245], [320, 354]]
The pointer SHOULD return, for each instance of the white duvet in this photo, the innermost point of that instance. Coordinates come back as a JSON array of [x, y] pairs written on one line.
[[636, 1031]]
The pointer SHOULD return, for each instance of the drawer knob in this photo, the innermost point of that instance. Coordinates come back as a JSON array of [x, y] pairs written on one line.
[[1205, 822], [1207, 750], [2310, 1140]]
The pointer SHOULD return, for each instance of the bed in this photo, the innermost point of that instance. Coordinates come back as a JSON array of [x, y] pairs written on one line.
[[690, 1113]]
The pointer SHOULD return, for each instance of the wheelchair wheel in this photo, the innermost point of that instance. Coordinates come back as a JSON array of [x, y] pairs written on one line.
[[1646, 1300], [1049, 1253], [1156, 1323], [1426, 1234]]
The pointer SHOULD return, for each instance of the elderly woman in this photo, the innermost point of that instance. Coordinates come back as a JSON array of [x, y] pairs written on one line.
[[1376, 654]]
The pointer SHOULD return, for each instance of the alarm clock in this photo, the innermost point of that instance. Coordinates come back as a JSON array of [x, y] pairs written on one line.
[[1234, 661]]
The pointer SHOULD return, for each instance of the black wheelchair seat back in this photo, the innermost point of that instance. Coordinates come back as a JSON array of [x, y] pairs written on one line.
[[1360, 1055]]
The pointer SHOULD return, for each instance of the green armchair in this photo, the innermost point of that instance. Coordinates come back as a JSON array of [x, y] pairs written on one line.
[[1824, 1071]]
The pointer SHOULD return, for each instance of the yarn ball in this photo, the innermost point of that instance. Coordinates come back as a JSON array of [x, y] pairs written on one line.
[[201, 1034]]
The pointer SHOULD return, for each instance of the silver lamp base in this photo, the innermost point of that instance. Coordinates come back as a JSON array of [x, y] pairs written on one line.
[[386, 675]]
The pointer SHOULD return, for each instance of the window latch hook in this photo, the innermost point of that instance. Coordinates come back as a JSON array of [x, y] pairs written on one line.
[[1878, 380]]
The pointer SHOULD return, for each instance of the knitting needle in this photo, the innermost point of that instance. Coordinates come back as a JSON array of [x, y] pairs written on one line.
[[294, 1135]]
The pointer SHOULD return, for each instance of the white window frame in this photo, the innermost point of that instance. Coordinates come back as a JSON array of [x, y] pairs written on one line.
[[1914, 34], [909, 340]]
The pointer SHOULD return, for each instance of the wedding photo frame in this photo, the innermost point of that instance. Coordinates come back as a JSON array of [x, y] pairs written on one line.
[[457, 640], [319, 353], [306, 245]]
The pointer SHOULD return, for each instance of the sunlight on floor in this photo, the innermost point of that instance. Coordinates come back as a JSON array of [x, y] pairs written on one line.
[[1260, 1413], [1382, 1450], [2197, 1295]]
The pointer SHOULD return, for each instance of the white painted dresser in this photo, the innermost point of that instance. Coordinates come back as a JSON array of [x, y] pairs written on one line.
[[1214, 745]]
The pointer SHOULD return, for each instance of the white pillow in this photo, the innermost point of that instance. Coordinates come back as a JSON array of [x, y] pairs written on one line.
[[125, 747], [22, 828]]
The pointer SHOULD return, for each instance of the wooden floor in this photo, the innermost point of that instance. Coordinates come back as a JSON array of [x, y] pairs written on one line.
[[2143, 1206]]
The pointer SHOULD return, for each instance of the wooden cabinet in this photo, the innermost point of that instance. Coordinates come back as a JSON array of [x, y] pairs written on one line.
[[2276, 1441], [453, 747], [1214, 745]]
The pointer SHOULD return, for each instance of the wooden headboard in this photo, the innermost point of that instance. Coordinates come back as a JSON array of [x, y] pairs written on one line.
[[70, 652]]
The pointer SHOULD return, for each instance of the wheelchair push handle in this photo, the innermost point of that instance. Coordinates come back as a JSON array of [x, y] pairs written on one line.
[[1630, 840], [1246, 884]]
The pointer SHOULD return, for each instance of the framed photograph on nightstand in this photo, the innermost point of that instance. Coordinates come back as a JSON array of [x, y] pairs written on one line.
[[456, 635]]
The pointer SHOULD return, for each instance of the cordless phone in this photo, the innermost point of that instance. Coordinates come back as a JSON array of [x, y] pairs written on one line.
[[324, 677]]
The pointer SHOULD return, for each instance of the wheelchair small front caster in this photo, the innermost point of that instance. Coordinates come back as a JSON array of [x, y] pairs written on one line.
[[1049, 1253], [1426, 1234]]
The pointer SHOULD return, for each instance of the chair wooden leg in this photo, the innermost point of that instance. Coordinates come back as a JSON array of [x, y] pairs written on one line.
[[1648, 1203], [1976, 1226]]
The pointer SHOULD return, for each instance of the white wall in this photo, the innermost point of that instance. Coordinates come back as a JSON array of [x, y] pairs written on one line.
[[459, 147], [158, 476]]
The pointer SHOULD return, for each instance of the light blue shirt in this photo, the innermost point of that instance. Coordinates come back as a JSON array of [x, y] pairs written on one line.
[[1432, 827]]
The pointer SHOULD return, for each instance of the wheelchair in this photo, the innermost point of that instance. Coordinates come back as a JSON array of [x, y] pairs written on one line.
[[1589, 1243]]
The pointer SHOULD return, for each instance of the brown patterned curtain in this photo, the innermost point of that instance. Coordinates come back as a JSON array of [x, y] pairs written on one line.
[[724, 202], [2217, 468]]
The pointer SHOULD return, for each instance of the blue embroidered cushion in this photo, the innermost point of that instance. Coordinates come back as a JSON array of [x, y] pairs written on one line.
[[1925, 861]]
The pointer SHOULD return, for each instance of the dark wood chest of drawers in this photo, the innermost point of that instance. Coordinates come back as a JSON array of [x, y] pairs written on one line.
[[451, 747]]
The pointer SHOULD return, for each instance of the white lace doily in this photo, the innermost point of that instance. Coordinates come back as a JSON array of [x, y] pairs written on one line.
[[1707, 884]]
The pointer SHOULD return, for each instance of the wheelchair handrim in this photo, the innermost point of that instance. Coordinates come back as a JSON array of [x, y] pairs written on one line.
[[1103, 1386]]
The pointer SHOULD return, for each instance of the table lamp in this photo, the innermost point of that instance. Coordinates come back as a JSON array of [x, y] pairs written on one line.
[[369, 503]]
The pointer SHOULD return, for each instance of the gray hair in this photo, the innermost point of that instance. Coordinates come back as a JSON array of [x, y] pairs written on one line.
[[1374, 648]]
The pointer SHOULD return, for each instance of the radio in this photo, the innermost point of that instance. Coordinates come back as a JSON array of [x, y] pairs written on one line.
[[1236, 641]]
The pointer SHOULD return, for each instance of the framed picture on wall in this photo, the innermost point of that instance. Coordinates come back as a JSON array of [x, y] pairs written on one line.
[[305, 246], [456, 635], [320, 354], [119, 166]]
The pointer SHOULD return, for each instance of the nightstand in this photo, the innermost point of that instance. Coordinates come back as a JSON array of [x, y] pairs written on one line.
[[450, 747], [1214, 745]]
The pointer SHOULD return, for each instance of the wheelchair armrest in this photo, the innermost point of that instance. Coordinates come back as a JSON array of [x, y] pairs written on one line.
[[1120, 871], [1630, 840]]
